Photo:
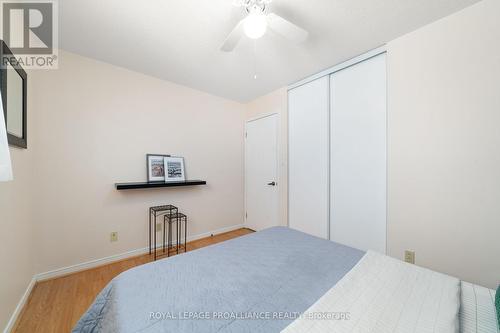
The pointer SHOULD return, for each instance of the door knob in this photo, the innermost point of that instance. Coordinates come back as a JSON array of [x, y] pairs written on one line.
[[272, 183]]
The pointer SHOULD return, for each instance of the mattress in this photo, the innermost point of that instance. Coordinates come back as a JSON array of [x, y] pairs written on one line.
[[255, 283]]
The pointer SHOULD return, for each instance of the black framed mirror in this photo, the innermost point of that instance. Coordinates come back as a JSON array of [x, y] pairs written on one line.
[[13, 87]]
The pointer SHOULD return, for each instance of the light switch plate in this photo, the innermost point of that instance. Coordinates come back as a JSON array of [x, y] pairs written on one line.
[[114, 236]]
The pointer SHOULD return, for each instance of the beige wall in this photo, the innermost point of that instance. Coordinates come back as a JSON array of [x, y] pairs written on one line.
[[16, 236], [94, 125], [276, 102], [444, 144], [16, 229]]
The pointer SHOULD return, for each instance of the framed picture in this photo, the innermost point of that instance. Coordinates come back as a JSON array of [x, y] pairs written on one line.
[[155, 167], [13, 87], [174, 169]]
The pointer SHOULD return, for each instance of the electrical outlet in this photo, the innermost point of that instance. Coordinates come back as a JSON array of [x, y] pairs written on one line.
[[114, 236], [158, 227], [410, 256]]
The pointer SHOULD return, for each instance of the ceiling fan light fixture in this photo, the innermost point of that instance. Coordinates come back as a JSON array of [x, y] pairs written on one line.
[[255, 25]]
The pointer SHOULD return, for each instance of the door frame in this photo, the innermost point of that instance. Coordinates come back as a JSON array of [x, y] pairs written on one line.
[[278, 154]]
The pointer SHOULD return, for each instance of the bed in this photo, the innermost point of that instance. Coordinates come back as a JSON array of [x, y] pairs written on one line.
[[276, 280]]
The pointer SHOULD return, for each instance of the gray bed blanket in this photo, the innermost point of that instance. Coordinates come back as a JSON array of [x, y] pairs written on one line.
[[254, 283]]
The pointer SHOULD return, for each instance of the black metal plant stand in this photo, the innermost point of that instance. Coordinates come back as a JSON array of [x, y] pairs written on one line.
[[155, 212], [178, 219]]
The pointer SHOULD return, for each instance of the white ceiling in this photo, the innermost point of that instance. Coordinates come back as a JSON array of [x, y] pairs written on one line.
[[179, 40]]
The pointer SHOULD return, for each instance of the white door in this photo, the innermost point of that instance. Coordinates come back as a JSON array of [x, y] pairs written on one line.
[[308, 157], [358, 155], [261, 183]]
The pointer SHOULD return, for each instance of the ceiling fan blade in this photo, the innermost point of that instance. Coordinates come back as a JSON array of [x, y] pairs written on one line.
[[286, 28], [233, 38]]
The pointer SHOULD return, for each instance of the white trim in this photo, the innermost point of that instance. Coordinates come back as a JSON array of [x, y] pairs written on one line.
[[89, 264], [287, 159], [386, 154], [264, 115], [343, 65], [329, 152], [20, 306], [106, 260], [278, 154]]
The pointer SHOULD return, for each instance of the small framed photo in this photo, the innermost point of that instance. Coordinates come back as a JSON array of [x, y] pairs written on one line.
[[174, 169], [155, 167]]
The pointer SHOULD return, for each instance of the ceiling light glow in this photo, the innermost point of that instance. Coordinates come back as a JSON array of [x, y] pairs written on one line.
[[255, 25]]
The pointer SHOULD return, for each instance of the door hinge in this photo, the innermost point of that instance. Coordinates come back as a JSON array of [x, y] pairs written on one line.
[[246, 215], [246, 135]]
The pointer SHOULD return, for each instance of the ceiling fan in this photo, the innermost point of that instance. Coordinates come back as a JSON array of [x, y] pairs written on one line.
[[256, 23]]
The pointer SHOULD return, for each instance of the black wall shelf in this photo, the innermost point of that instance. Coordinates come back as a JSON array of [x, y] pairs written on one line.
[[139, 185]]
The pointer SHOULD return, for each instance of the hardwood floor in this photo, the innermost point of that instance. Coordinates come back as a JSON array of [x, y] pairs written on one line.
[[56, 305]]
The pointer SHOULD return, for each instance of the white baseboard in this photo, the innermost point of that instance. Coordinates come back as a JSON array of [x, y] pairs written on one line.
[[20, 306], [102, 261]]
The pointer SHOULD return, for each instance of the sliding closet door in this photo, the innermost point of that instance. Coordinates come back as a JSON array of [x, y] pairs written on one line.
[[308, 109], [358, 155]]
